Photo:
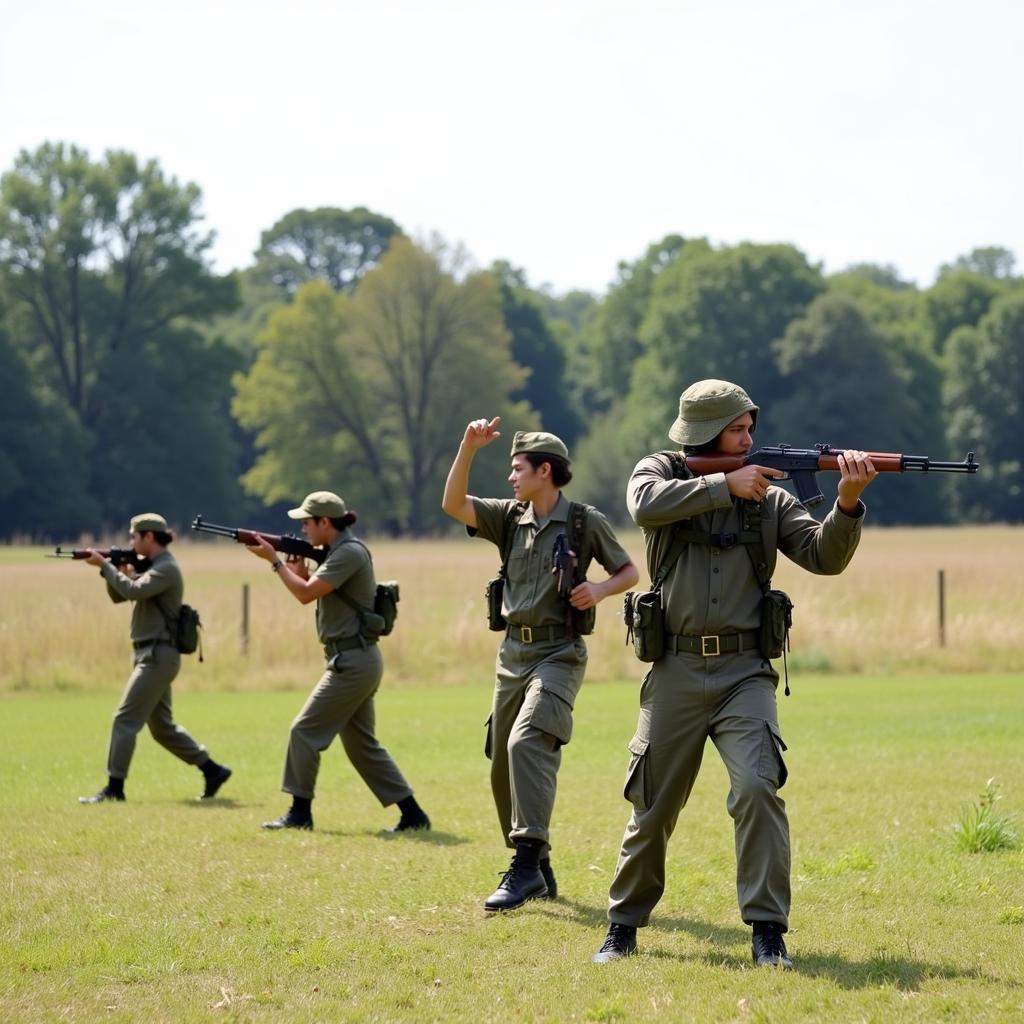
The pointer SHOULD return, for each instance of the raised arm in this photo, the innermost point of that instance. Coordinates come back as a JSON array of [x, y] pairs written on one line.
[[456, 501]]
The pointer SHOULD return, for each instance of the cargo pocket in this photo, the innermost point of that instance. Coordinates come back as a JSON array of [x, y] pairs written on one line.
[[488, 725], [771, 765], [552, 715], [638, 776]]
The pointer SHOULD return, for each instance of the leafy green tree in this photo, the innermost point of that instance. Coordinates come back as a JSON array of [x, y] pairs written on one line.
[[367, 394], [884, 275], [844, 385], [715, 313], [44, 464], [990, 261], [104, 270], [960, 298], [608, 344], [325, 244], [984, 397], [536, 349]]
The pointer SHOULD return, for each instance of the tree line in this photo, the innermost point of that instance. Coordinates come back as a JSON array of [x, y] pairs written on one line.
[[349, 357]]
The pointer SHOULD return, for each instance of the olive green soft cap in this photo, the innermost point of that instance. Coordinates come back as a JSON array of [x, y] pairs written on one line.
[[319, 504], [149, 521], [707, 408], [537, 442]]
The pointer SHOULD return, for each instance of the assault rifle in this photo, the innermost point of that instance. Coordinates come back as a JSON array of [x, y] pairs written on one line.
[[286, 543], [801, 464], [119, 556]]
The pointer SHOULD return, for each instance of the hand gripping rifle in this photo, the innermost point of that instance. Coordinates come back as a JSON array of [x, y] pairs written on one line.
[[119, 556], [287, 543], [801, 464]]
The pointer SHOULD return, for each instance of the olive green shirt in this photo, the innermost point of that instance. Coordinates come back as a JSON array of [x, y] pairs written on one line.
[[531, 595], [714, 590], [348, 565], [157, 594]]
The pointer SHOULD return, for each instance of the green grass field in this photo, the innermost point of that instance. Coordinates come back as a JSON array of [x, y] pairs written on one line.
[[162, 909]]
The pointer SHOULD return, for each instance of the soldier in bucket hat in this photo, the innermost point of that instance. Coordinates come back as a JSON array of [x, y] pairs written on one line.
[[156, 597], [712, 681], [542, 657], [341, 704]]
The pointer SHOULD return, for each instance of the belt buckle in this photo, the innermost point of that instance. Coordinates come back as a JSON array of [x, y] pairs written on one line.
[[706, 649], [526, 634]]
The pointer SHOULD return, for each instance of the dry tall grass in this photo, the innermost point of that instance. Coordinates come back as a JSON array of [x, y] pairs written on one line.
[[58, 630]]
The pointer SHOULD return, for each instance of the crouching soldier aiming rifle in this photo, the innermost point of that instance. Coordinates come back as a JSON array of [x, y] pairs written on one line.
[[344, 588], [543, 607], [156, 594]]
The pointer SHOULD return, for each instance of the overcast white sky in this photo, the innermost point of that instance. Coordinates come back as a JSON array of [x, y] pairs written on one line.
[[562, 136]]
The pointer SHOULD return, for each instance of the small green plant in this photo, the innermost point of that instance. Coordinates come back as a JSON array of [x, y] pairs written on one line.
[[981, 829]]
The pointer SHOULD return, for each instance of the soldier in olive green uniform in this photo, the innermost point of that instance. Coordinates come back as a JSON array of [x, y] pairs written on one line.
[[157, 595], [712, 681], [541, 661], [342, 702]]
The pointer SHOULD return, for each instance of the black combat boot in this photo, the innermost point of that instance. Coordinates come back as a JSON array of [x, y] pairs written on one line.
[[105, 794], [215, 775], [113, 790], [299, 815], [549, 879], [768, 947], [413, 818], [619, 942], [523, 880]]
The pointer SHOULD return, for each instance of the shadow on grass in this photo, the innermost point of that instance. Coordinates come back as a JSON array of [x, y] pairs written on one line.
[[905, 973], [433, 837]]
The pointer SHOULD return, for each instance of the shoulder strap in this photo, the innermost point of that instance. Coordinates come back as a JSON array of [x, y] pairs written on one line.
[[680, 536], [359, 609], [752, 529], [577, 538], [508, 529]]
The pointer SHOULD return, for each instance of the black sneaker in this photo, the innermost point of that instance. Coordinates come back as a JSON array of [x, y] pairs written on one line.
[[549, 880], [519, 884], [412, 823], [290, 820], [215, 781], [620, 942], [106, 793], [768, 946]]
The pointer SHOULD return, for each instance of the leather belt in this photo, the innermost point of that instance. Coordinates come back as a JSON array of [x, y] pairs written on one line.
[[535, 634], [347, 643], [713, 645]]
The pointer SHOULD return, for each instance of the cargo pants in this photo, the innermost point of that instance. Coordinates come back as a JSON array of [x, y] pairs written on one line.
[[531, 720], [147, 701], [685, 700], [341, 704]]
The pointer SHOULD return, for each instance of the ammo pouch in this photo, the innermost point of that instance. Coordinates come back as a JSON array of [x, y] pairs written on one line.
[[494, 593], [385, 605], [645, 624], [776, 620]]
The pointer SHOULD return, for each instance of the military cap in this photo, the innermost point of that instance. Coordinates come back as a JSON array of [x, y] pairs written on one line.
[[149, 521], [538, 442], [319, 504], [707, 408]]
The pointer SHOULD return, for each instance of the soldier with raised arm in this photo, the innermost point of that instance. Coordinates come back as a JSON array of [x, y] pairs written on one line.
[[542, 656]]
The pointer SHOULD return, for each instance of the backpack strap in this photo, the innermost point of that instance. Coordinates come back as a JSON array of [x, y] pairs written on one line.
[[681, 536], [514, 513], [360, 610], [576, 537], [753, 535]]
